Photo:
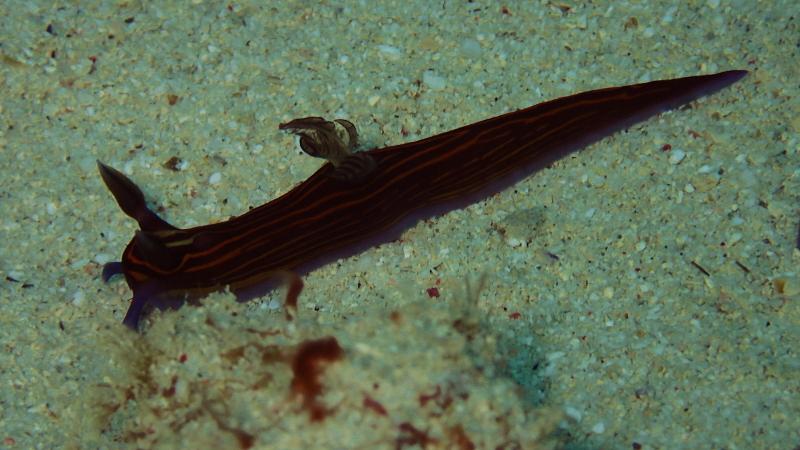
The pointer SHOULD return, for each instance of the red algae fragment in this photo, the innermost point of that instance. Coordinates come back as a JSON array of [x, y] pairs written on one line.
[[460, 439], [307, 366], [170, 391], [374, 405], [411, 436], [294, 286], [425, 398]]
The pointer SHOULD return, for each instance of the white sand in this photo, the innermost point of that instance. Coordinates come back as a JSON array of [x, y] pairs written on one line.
[[620, 342]]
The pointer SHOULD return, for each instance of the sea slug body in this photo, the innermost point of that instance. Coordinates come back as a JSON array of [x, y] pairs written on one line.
[[359, 199]]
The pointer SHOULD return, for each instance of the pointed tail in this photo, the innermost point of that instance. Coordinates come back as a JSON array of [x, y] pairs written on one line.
[[131, 200]]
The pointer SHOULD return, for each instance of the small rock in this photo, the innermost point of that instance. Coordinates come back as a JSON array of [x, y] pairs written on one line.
[[433, 81], [677, 156]]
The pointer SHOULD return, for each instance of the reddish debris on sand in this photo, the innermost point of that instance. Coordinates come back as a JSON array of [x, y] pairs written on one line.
[[460, 438], [374, 405], [307, 366], [411, 436], [425, 398]]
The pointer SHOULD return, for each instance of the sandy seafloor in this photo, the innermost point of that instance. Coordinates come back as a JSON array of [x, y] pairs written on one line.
[[620, 342]]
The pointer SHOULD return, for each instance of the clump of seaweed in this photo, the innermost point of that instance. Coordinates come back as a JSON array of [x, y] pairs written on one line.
[[413, 376]]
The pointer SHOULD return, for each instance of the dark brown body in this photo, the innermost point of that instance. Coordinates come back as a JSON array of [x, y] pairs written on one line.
[[325, 217]]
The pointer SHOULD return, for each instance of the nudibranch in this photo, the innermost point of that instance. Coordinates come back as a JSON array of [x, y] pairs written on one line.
[[360, 199]]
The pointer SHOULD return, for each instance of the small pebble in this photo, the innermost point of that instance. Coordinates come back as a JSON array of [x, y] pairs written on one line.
[[471, 48], [102, 258], [433, 81], [677, 156], [573, 413], [705, 168], [78, 297], [390, 51]]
